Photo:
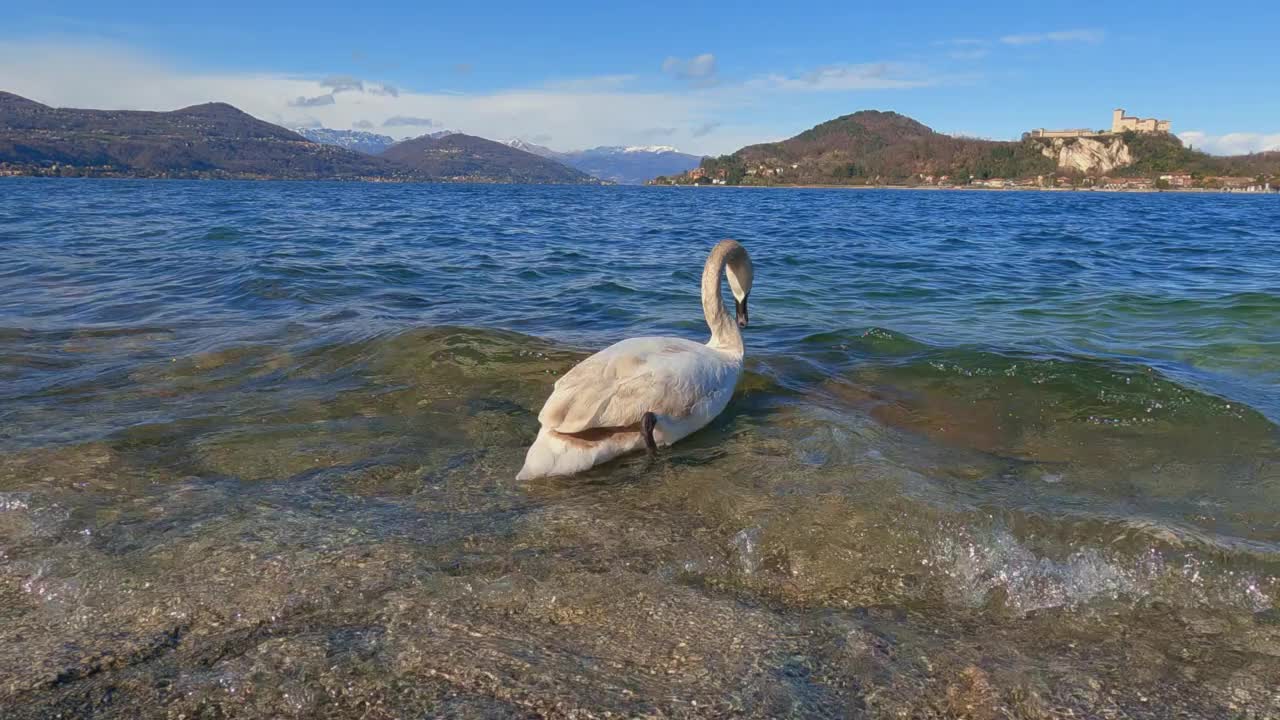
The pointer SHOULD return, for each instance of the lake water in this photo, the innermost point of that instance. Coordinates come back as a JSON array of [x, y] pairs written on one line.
[[994, 455]]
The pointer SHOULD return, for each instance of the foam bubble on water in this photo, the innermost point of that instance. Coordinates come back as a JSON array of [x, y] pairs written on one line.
[[976, 567], [23, 515], [746, 544], [48, 590], [13, 501]]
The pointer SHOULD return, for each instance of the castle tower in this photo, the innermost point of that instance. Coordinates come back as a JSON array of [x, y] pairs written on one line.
[[1117, 120]]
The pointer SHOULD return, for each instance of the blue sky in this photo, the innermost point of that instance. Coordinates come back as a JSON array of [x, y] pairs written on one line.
[[706, 77]]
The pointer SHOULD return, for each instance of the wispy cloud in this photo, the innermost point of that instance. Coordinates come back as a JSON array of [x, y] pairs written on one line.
[[588, 112], [705, 129], [862, 76], [343, 83], [599, 83], [1087, 36], [317, 101], [1239, 143], [965, 48], [700, 70], [408, 121]]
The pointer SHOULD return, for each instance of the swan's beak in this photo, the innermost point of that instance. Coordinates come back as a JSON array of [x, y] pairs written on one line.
[[741, 311]]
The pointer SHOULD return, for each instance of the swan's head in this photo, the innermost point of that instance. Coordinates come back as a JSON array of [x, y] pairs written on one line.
[[737, 265]]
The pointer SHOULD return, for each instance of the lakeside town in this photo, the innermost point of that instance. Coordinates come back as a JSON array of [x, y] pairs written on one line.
[[1134, 154], [1164, 182]]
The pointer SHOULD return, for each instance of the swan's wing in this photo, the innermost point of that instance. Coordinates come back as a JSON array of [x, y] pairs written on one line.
[[618, 385]]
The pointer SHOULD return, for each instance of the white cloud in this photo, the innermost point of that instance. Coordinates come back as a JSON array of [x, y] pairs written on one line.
[[705, 129], [1239, 143], [343, 83], [584, 113], [599, 83], [406, 121], [1089, 36], [699, 70], [864, 76], [587, 112], [317, 101]]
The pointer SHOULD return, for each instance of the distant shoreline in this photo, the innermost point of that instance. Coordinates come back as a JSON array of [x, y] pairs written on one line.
[[923, 188], [970, 188]]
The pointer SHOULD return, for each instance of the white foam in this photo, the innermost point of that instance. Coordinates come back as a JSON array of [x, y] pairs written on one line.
[[976, 567]]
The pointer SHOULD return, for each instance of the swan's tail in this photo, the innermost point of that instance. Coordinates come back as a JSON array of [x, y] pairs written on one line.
[[545, 455], [555, 454]]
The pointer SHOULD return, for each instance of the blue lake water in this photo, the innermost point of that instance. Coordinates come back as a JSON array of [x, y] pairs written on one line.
[[271, 429]]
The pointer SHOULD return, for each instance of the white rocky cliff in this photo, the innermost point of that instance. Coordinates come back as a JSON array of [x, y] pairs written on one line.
[[1092, 156]]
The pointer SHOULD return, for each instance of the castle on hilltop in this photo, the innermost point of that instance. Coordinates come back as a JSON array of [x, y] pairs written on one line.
[[1119, 123]]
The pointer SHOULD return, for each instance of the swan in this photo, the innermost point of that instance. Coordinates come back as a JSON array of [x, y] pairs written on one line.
[[646, 392]]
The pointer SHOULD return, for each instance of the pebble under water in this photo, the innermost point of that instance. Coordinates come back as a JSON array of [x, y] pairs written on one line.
[[995, 455]]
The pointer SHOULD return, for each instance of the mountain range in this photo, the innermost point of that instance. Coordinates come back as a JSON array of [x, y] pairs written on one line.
[[358, 140], [628, 165], [632, 165], [456, 156], [209, 140], [875, 147], [216, 140]]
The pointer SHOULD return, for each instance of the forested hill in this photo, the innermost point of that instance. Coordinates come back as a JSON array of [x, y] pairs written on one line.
[[875, 147], [216, 140], [209, 140]]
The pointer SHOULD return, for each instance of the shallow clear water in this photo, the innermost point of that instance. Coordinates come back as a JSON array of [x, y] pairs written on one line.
[[996, 454]]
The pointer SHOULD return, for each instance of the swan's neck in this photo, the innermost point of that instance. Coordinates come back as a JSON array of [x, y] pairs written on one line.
[[724, 329]]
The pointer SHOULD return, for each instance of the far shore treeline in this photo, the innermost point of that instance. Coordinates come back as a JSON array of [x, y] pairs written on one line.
[[885, 148]]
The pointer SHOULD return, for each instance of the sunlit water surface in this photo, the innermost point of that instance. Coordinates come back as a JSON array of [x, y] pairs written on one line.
[[995, 455]]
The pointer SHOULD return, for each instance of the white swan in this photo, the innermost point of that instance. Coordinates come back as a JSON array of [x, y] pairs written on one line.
[[646, 391]]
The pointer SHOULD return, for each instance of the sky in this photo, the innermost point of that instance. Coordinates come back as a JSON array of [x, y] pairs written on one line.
[[705, 77]]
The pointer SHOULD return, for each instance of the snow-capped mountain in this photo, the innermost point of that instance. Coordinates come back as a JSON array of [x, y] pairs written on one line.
[[630, 165], [358, 140], [647, 149], [539, 150]]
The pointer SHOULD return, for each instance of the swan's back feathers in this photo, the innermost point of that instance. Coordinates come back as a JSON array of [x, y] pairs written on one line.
[[616, 386]]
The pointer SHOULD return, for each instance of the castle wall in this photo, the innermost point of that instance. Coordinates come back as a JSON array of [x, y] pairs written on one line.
[[1121, 123], [1083, 132]]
